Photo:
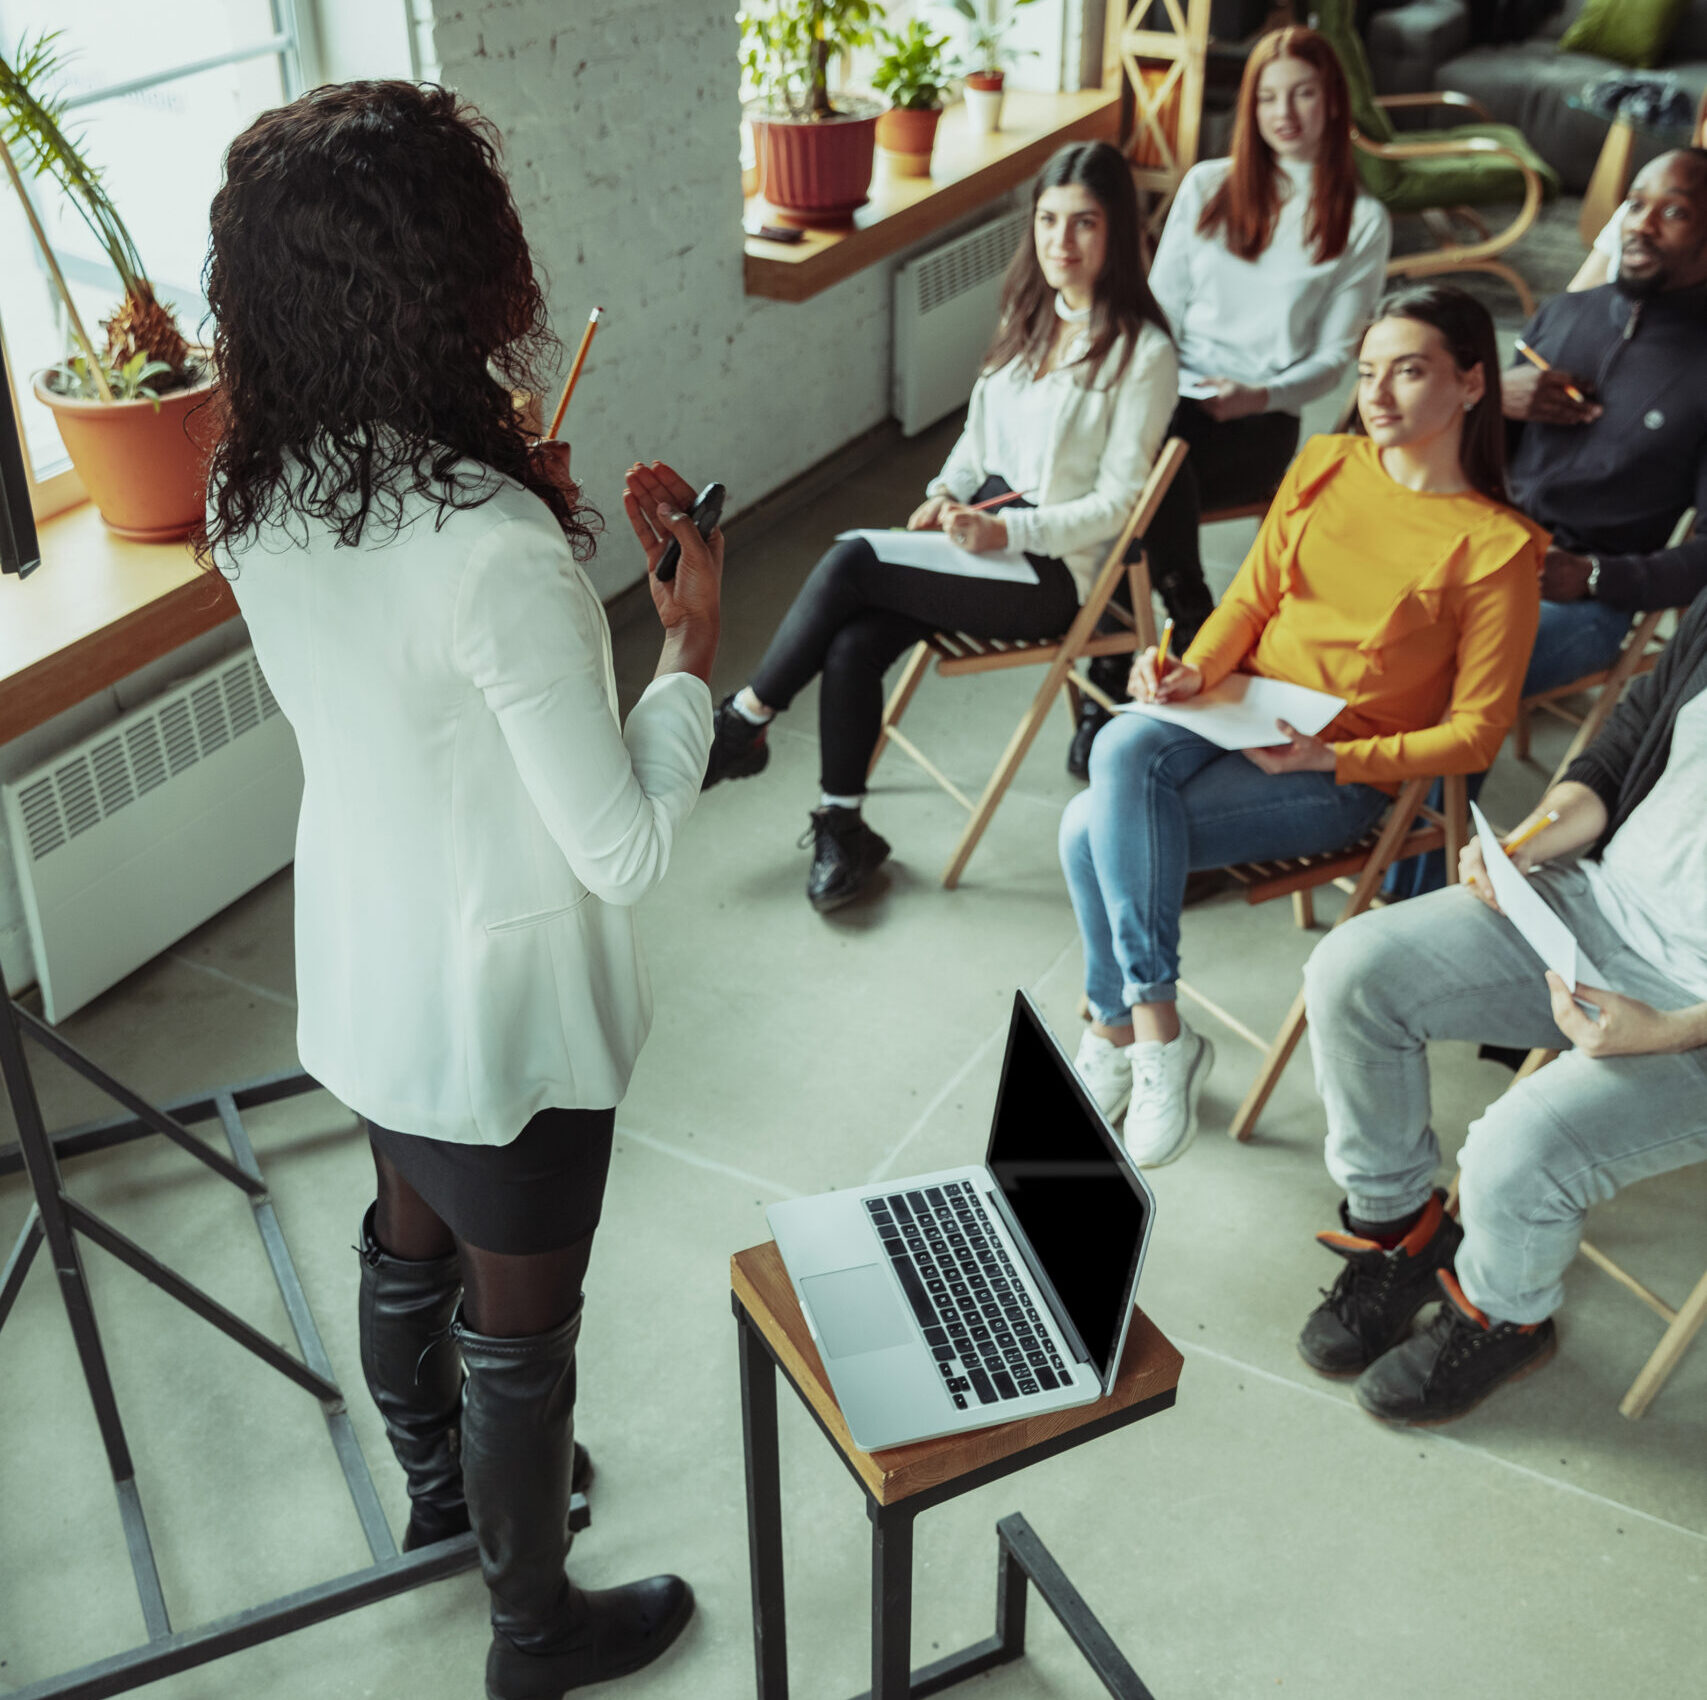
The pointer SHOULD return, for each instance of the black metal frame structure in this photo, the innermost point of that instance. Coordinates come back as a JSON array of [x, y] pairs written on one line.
[[1021, 1555], [58, 1220]]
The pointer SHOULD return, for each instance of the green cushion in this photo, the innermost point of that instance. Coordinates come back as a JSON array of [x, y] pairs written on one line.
[[1464, 180], [1632, 32]]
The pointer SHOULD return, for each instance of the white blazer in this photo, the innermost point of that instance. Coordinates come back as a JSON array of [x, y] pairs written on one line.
[[475, 824]]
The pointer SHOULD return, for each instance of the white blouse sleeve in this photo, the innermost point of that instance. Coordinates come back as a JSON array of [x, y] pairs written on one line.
[[1143, 403], [1350, 305], [964, 470], [1170, 268], [531, 637]]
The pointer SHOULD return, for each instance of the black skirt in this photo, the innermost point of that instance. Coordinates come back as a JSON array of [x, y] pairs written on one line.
[[541, 1192]]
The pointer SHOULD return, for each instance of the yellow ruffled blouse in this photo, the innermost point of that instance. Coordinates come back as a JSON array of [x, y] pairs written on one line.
[[1420, 610]]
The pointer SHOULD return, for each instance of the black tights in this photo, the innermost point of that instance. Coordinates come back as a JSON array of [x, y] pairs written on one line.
[[505, 1296]]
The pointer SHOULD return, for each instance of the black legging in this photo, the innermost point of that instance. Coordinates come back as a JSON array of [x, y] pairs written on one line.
[[1229, 464], [508, 1297], [855, 614]]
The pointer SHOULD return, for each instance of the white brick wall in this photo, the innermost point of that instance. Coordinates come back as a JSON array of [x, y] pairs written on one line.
[[621, 126]]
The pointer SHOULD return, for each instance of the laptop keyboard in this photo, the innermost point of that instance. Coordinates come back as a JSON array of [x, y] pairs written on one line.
[[979, 1320]]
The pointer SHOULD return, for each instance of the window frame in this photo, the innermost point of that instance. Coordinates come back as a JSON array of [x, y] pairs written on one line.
[[295, 42]]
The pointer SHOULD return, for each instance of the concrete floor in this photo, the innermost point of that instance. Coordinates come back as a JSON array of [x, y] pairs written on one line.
[[1262, 1536]]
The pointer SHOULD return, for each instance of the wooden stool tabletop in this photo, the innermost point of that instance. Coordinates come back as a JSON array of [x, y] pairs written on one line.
[[1150, 1367]]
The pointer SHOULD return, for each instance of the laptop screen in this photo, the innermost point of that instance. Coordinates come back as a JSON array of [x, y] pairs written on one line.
[[1066, 1185]]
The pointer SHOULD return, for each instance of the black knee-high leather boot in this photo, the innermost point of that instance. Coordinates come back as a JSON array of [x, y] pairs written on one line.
[[548, 1636], [415, 1377]]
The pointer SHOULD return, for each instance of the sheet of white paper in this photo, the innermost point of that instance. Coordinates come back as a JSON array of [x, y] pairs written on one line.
[[932, 551], [1527, 910], [1240, 712], [1194, 388]]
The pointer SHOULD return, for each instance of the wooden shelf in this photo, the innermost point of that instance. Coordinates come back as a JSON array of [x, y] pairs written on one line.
[[94, 611], [967, 171]]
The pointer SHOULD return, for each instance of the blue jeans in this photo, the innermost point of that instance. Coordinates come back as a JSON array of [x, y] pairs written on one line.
[[1574, 638], [1162, 803], [1382, 987]]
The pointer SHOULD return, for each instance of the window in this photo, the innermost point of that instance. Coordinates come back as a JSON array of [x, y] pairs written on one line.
[[154, 103]]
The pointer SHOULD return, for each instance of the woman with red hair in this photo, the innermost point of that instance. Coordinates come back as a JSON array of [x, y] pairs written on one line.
[[1268, 269]]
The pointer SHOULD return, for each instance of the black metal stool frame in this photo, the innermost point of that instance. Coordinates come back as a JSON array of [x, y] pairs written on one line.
[[1021, 1555]]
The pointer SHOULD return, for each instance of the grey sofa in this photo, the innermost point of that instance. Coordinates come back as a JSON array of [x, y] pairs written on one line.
[[1425, 44]]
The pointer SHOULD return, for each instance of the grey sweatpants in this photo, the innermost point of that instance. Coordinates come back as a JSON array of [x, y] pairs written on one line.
[[1445, 966]]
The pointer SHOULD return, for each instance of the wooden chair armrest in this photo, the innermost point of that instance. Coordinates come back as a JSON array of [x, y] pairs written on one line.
[[1435, 97], [1464, 147]]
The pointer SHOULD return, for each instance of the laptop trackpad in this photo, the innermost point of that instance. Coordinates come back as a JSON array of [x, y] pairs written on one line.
[[857, 1310]]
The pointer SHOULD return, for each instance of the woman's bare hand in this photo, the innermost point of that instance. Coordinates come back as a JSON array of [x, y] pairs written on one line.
[[656, 499], [974, 532], [1233, 400], [1301, 753], [1178, 681], [927, 516]]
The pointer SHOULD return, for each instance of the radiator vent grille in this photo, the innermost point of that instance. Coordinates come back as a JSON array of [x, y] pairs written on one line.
[[959, 266], [112, 770]]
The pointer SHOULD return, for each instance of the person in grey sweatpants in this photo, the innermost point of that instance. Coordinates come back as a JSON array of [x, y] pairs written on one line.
[[1626, 869]]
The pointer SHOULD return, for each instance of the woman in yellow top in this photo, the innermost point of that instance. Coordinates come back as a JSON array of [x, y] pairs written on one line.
[[1389, 572]]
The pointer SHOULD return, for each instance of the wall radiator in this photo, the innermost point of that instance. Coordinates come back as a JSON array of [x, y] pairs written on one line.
[[946, 304], [125, 842]]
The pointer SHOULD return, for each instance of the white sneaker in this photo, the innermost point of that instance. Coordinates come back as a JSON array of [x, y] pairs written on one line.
[[1106, 1069], [1167, 1081]]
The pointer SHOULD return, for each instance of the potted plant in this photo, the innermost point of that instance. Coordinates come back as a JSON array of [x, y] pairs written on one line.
[[815, 157], [913, 74], [987, 50], [122, 409]]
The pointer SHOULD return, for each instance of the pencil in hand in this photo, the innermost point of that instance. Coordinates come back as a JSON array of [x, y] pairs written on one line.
[[1162, 649], [575, 372], [1543, 365], [1536, 827]]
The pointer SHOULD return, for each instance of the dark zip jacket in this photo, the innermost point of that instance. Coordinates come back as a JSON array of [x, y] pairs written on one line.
[[1616, 488], [1631, 750]]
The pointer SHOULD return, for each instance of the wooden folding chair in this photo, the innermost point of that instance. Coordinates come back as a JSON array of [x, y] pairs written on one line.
[[1642, 649], [1409, 828], [957, 655], [1682, 1324]]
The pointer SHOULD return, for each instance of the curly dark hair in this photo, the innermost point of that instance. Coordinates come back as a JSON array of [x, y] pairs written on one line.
[[375, 311]]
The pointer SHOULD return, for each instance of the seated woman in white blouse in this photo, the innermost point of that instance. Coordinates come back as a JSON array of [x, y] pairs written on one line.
[[1268, 270], [1069, 415]]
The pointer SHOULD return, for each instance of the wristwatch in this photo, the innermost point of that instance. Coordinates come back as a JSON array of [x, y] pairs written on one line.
[[1592, 588]]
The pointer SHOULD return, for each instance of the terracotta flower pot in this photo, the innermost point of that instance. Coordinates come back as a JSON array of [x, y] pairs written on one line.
[[817, 171], [142, 467], [984, 101], [907, 137]]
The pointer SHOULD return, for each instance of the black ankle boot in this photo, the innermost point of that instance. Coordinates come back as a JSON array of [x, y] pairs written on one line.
[[738, 748], [845, 854], [548, 1636], [1109, 673], [1369, 1309], [415, 1377]]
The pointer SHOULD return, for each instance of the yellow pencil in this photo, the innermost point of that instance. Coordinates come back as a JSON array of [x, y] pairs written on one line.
[[575, 371], [1162, 649], [1518, 840], [1542, 365]]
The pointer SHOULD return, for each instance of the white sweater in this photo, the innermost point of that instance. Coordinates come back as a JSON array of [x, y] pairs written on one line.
[[1083, 465], [476, 825], [1284, 321]]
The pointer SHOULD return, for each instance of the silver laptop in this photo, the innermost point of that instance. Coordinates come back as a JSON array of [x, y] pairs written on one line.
[[978, 1295]]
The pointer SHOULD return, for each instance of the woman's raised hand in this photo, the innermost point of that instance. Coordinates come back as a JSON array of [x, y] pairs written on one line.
[[927, 516], [1178, 680], [656, 499]]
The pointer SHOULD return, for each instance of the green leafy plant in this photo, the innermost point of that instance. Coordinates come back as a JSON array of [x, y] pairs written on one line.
[[914, 69], [142, 334], [991, 20], [133, 381], [787, 46]]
